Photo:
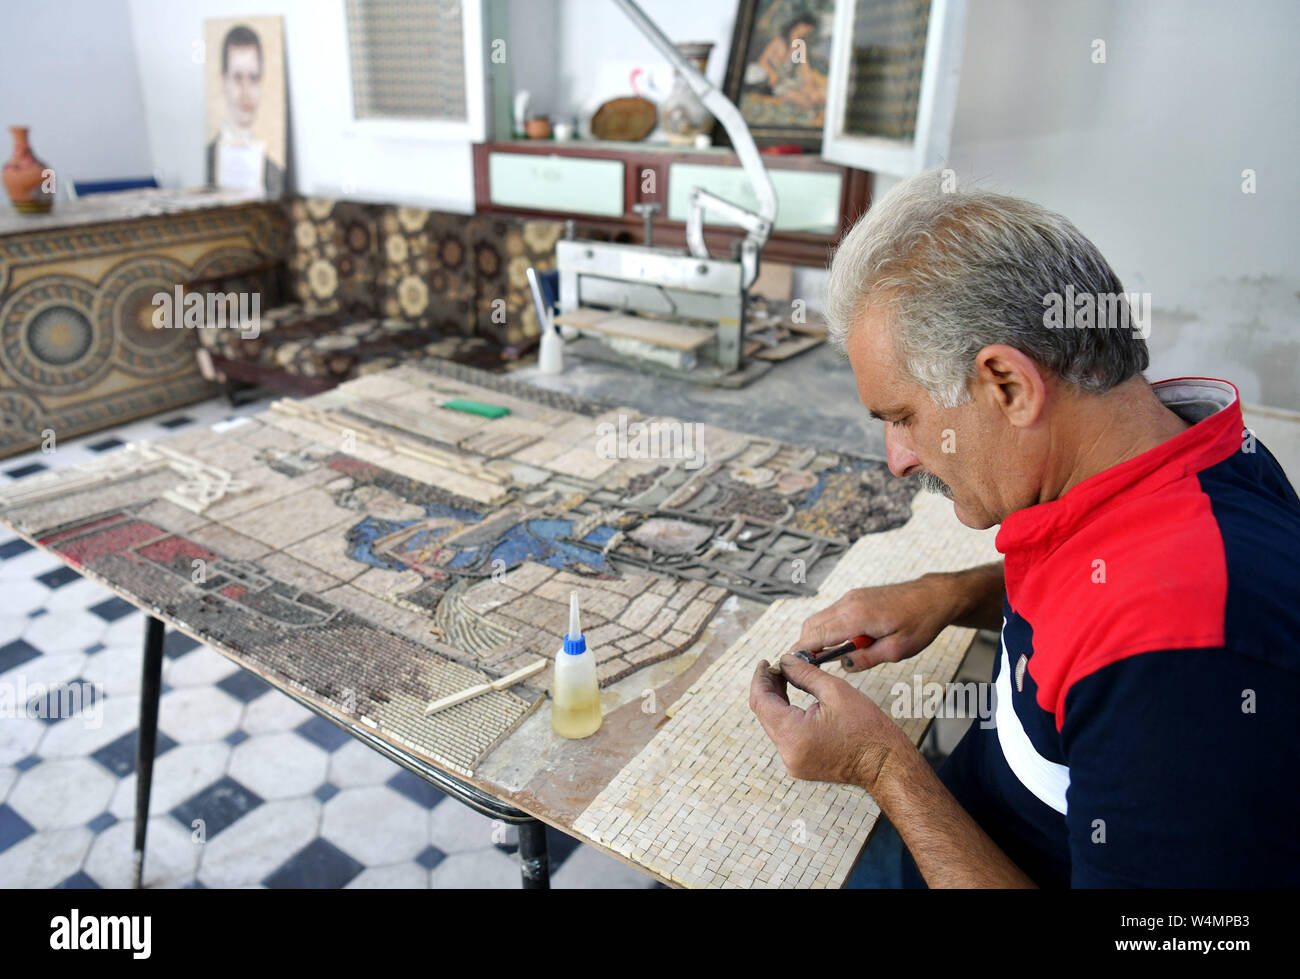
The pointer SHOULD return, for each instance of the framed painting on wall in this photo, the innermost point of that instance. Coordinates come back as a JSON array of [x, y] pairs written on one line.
[[777, 70], [245, 141]]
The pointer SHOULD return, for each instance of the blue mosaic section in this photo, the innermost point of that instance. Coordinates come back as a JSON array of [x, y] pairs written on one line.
[[530, 540]]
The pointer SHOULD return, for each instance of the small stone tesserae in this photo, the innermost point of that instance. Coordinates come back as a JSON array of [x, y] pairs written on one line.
[[575, 711]]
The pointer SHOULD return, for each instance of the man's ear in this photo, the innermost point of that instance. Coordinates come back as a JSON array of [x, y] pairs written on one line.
[[1012, 382]]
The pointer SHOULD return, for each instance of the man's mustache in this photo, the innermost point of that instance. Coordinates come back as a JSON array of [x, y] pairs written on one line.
[[933, 484]]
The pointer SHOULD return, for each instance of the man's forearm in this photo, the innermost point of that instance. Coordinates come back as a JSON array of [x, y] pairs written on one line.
[[949, 847], [979, 593]]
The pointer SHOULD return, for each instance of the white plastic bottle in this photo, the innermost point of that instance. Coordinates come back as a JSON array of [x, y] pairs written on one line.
[[575, 693], [550, 358]]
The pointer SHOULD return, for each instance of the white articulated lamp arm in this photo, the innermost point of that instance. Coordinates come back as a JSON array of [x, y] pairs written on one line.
[[758, 226]]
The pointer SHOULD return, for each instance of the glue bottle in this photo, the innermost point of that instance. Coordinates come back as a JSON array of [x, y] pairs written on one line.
[[550, 358], [575, 693]]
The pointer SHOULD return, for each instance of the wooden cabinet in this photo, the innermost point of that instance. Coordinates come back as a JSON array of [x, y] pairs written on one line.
[[598, 183]]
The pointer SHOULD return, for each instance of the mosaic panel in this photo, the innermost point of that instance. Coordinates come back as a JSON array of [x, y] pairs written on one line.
[[455, 537], [78, 348]]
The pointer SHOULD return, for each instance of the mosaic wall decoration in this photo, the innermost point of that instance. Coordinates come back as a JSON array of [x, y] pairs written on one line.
[[707, 803], [375, 549], [78, 348]]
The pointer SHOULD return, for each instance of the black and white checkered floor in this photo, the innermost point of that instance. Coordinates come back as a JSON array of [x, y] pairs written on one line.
[[249, 788]]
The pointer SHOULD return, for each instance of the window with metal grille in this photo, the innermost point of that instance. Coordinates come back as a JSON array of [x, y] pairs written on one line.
[[887, 55], [892, 87], [408, 59]]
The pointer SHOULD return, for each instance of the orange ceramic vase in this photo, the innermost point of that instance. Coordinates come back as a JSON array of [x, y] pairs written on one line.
[[26, 177]]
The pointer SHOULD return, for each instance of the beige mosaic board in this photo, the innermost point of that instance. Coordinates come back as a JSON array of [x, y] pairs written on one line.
[[707, 803]]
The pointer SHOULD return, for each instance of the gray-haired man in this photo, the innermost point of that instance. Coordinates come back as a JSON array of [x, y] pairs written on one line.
[[1147, 601]]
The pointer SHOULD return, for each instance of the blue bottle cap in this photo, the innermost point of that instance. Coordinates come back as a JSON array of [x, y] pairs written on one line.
[[574, 641]]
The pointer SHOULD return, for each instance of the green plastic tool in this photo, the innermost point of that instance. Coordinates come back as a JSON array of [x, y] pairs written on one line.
[[476, 408]]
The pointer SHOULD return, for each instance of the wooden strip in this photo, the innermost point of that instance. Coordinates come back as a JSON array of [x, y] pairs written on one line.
[[424, 453], [509, 680], [788, 348], [660, 333], [583, 317]]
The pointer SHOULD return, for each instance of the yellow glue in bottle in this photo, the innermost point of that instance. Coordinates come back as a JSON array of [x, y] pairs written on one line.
[[575, 694]]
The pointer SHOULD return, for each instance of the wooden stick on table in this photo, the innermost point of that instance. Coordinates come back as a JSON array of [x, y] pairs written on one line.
[[469, 693]]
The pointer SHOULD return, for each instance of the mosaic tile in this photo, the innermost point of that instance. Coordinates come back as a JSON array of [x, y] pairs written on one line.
[[223, 540], [175, 518], [661, 622], [640, 612], [291, 520], [329, 553], [605, 634], [303, 574], [527, 576], [581, 462]]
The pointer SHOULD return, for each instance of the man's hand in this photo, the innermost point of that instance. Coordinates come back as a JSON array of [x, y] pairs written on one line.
[[844, 737], [902, 619]]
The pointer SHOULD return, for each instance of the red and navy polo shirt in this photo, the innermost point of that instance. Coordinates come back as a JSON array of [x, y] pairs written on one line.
[[1147, 721]]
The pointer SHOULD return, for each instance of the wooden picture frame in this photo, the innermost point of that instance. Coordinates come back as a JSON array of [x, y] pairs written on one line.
[[793, 110]]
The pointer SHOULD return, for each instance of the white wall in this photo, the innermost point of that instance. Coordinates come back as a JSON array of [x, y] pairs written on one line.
[[69, 72], [599, 47], [328, 156], [573, 55], [532, 36], [1145, 153]]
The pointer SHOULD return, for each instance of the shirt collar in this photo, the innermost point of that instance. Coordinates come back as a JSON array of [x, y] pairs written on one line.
[[1214, 408]]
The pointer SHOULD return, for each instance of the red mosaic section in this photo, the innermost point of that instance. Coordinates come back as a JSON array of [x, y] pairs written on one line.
[[121, 538], [80, 529], [354, 467], [168, 549]]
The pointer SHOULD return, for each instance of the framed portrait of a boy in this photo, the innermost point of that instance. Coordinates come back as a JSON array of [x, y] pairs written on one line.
[[245, 139]]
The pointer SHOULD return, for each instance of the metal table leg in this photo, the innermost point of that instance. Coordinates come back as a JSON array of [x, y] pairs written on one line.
[[534, 860], [147, 735], [534, 856]]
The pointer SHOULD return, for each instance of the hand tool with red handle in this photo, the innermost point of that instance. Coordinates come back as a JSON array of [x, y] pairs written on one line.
[[857, 642]]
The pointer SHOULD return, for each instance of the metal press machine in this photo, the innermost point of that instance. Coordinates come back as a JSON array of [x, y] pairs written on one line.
[[679, 311]]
